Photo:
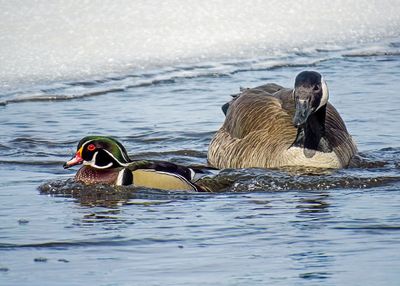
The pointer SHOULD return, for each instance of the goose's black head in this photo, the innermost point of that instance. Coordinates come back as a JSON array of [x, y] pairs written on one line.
[[99, 152], [310, 94]]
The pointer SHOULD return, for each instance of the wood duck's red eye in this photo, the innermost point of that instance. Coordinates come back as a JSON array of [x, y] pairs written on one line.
[[91, 147]]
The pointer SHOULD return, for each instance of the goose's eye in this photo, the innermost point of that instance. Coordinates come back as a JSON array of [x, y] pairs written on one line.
[[91, 147], [316, 87]]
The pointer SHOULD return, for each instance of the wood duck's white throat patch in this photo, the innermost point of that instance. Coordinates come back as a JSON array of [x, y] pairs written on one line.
[[92, 163]]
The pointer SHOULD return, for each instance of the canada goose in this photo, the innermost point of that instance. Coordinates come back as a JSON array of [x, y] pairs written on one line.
[[271, 126]]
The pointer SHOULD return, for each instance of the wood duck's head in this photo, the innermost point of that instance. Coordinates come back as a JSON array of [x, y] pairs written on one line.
[[99, 152]]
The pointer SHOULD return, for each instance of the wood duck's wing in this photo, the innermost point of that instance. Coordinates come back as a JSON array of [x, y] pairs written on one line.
[[163, 166]]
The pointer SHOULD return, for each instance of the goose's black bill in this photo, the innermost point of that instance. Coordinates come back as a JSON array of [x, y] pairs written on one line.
[[303, 111]]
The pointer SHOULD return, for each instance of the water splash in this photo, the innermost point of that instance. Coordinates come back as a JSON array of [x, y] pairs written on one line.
[[370, 170]]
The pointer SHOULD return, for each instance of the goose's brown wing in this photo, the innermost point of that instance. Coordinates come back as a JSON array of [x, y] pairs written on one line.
[[256, 132], [257, 110], [338, 136]]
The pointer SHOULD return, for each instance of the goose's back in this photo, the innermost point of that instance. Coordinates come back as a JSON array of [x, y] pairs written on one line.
[[256, 132]]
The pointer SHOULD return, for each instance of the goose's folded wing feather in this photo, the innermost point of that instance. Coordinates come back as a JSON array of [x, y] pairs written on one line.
[[255, 111]]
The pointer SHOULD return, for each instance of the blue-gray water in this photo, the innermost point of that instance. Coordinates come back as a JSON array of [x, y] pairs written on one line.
[[262, 228]]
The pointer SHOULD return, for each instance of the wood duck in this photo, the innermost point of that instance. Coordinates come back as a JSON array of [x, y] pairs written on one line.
[[106, 161]]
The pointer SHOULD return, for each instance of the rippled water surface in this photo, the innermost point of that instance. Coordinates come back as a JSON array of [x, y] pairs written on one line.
[[259, 227]]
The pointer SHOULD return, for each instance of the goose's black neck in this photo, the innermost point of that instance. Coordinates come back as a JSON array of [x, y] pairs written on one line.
[[311, 136]]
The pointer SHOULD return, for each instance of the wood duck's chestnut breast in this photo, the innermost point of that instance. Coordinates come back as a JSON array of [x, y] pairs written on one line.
[[89, 175]]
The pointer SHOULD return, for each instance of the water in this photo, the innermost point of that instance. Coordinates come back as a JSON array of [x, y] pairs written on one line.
[[261, 227]]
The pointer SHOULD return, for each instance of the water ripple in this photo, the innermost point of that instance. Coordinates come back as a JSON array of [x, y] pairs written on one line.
[[115, 241], [171, 75]]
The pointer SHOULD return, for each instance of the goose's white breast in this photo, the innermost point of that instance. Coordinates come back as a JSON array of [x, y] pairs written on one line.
[[294, 156]]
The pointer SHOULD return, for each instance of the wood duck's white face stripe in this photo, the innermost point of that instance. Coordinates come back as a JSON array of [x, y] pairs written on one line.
[[92, 163], [124, 155], [122, 164], [325, 94]]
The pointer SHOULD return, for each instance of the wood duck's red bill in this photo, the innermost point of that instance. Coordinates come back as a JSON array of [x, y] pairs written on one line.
[[77, 160]]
